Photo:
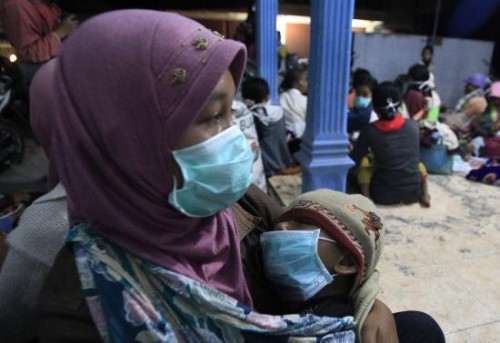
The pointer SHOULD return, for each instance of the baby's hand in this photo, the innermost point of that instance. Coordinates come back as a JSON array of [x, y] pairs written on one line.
[[379, 326]]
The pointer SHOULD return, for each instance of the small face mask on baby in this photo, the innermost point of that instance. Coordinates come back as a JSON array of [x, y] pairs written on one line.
[[292, 262], [216, 172]]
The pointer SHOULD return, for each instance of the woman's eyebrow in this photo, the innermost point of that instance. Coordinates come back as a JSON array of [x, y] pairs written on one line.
[[219, 96]]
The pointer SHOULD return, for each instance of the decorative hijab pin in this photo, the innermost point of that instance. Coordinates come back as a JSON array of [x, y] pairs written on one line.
[[179, 75], [200, 43]]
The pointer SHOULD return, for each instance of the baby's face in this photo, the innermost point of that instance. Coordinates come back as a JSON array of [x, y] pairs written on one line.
[[328, 252]]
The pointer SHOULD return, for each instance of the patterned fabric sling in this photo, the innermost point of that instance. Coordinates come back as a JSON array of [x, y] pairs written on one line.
[[133, 300]]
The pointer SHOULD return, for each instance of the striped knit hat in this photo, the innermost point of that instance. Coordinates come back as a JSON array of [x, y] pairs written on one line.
[[349, 219]]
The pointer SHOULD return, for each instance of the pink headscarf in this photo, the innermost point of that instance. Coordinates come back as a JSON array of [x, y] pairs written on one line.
[[128, 84]]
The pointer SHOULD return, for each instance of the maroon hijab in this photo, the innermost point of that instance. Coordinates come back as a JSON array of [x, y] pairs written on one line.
[[128, 84]]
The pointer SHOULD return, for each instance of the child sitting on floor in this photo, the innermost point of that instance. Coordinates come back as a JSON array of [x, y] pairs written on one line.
[[270, 125], [324, 257]]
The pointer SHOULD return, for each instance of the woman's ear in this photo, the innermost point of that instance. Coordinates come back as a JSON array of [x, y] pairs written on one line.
[[344, 265]]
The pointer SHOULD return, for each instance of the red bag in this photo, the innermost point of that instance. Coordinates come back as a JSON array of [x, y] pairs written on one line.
[[492, 147]]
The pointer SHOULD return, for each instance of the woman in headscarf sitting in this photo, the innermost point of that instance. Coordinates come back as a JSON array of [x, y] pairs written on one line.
[[151, 164], [164, 227]]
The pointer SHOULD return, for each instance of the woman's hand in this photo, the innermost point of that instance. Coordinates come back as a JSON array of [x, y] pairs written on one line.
[[66, 26], [379, 326]]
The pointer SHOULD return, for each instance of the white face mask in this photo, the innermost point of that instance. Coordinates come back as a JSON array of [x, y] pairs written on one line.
[[216, 172]]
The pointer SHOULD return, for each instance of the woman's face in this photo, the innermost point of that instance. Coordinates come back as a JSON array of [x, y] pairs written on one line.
[[214, 117]]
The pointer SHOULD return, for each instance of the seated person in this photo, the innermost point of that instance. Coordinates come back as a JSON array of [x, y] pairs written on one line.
[[293, 100], [361, 113], [324, 258], [355, 76], [488, 173], [468, 111], [394, 174], [180, 276], [270, 126], [473, 103], [486, 125], [418, 96]]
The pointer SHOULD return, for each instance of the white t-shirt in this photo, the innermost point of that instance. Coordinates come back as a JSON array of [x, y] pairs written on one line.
[[294, 105]]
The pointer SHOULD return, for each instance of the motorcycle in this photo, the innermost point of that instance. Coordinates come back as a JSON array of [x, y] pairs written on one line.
[[11, 139]]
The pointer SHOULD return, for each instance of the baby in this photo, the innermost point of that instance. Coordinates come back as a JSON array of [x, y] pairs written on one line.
[[323, 258]]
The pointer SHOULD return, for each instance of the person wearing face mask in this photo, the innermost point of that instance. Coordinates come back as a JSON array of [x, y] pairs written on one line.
[[270, 125], [158, 191], [361, 113], [387, 154], [323, 257]]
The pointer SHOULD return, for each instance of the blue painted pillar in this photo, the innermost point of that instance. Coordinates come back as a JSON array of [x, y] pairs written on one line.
[[267, 44], [324, 152]]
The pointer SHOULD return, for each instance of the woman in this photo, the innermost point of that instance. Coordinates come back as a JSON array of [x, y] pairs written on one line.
[[154, 251], [35, 30], [485, 127], [151, 164]]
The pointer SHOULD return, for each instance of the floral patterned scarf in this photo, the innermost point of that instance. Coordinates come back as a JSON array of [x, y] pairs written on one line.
[[134, 300]]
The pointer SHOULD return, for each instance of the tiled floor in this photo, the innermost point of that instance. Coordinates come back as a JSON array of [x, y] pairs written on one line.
[[444, 260]]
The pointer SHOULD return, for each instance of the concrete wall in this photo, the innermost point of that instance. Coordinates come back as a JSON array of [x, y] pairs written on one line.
[[387, 56], [297, 39]]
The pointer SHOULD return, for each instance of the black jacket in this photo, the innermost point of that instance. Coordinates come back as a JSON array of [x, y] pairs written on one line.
[[396, 156]]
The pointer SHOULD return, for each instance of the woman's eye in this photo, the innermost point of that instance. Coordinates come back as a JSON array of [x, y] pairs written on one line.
[[217, 117]]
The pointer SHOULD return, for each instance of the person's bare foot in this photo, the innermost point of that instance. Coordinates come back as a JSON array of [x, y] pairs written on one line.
[[489, 178], [425, 200]]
